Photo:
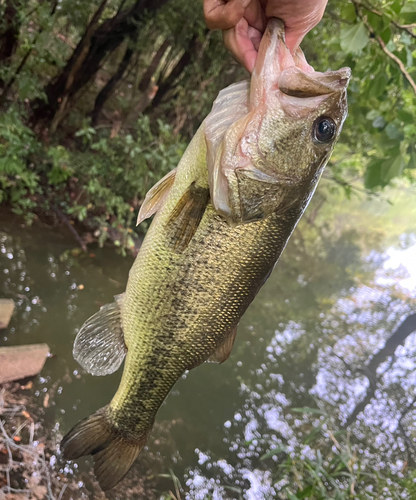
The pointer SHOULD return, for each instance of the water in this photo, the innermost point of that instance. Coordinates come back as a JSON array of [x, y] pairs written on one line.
[[344, 284]]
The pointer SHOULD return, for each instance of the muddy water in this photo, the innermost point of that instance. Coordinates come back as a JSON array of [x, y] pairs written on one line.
[[310, 340]]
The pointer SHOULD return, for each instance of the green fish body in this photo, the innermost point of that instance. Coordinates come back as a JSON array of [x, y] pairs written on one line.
[[223, 218], [186, 303]]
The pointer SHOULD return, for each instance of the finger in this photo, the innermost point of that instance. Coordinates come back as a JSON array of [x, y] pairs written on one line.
[[256, 15], [293, 38], [301, 62], [221, 15], [255, 36], [299, 16], [239, 43]]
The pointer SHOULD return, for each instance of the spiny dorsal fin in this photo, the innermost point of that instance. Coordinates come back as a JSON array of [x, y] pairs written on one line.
[[99, 346], [186, 216], [156, 196], [224, 350]]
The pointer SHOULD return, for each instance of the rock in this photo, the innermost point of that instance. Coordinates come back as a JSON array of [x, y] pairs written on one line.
[[6, 311], [22, 361]]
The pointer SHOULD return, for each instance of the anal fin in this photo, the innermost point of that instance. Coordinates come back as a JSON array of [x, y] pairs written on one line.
[[224, 350], [186, 216], [156, 196], [99, 346]]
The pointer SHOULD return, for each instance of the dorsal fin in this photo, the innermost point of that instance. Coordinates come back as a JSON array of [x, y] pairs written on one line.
[[156, 196]]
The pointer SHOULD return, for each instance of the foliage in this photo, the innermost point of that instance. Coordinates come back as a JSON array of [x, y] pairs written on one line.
[[103, 181], [148, 83], [378, 43], [338, 470], [112, 175], [19, 147]]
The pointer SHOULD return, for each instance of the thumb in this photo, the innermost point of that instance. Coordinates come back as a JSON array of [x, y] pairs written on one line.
[[221, 15]]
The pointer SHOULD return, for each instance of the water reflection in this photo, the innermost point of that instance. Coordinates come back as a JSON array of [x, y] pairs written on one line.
[[324, 333]]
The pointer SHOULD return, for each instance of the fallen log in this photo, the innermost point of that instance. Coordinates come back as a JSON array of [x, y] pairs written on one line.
[[22, 361]]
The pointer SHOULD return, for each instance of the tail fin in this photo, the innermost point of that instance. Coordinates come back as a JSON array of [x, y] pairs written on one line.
[[113, 453]]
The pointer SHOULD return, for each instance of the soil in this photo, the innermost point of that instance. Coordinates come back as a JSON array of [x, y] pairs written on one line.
[[30, 464]]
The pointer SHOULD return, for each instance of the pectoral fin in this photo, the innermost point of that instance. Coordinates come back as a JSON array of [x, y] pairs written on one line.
[[99, 346], [156, 197], [187, 215], [224, 350]]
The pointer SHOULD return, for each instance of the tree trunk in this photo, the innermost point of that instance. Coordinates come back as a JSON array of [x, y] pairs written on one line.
[[186, 59], [97, 42], [109, 87], [10, 32], [69, 74], [148, 91], [15, 4], [154, 64], [406, 328]]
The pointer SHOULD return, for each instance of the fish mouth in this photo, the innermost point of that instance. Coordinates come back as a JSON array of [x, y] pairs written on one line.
[[296, 83], [277, 68]]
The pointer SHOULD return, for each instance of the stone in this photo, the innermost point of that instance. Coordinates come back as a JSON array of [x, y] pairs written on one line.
[[22, 361], [6, 311]]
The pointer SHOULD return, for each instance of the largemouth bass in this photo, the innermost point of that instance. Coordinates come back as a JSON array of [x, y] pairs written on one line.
[[223, 218]]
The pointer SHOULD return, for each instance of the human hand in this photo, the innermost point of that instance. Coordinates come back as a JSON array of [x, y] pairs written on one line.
[[243, 23]]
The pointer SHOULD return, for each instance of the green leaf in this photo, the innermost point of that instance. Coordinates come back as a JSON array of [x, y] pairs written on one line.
[[396, 5], [372, 115], [372, 177], [272, 453], [408, 7], [391, 169], [393, 132], [348, 12], [378, 84], [412, 162], [306, 409], [379, 122], [409, 58], [377, 22], [236, 489], [386, 35], [305, 492], [291, 496], [405, 38], [391, 46], [354, 38], [313, 434], [405, 116]]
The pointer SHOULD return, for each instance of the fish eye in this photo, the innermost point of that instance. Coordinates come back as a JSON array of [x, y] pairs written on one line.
[[323, 129]]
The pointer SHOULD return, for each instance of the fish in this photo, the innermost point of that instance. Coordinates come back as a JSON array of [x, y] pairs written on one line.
[[222, 219]]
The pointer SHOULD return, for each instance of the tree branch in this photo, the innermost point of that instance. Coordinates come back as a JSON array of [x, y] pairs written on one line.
[[406, 328], [399, 63], [405, 27], [382, 45]]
